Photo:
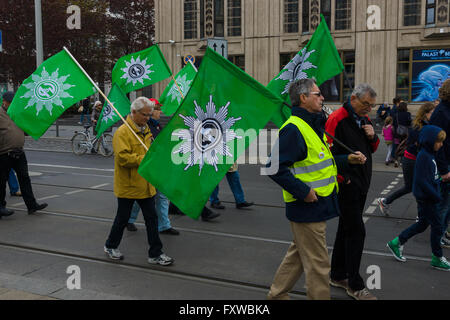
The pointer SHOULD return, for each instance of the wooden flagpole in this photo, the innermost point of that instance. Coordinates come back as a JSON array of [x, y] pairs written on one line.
[[106, 98]]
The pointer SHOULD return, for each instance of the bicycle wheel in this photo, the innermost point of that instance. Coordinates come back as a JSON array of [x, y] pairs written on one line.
[[105, 146], [79, 144]]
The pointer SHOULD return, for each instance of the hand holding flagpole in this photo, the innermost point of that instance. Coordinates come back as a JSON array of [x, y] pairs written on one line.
[[106, 98]]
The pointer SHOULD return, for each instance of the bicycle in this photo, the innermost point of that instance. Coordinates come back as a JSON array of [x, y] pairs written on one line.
[[82, 142]]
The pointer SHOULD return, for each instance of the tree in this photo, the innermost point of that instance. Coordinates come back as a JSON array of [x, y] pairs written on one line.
[[109, 30]]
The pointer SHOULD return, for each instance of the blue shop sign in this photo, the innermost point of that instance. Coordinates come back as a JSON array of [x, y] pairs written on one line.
[[431, 54]]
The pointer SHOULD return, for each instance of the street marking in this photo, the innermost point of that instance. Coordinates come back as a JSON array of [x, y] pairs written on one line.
[[391, 187], [394, 182], [365, 219], [99, 186], [385, 192], [49, 197], [371, 209], [73, 192], [68, 167]]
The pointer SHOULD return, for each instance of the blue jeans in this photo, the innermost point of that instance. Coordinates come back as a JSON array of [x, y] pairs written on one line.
[[12, 182], [408, 177], [428, 216], [444, 206], [235, 186], [162, 211]]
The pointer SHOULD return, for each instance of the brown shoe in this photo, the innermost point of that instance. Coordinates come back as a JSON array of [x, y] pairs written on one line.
[[16, 194], [363, 294], [339, 283]]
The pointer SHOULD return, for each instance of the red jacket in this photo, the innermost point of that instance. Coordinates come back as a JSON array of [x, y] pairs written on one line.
[[343, 126]]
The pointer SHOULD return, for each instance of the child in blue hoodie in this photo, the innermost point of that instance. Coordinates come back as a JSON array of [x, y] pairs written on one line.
[[426, 190]]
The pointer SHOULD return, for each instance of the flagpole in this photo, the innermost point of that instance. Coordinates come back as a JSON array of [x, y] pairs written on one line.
[[106, 98], [182, 96]]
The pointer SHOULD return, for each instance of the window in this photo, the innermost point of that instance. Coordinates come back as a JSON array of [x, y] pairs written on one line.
[[291, 16], [411, 12], [190, 19], [219, 18], [305, 16], [403, 63], [325, 9], [234, 18], [343, 15], [430, 12], [238, 61]]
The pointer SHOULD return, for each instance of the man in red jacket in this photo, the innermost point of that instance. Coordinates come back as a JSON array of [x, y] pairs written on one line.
[[351, 125]]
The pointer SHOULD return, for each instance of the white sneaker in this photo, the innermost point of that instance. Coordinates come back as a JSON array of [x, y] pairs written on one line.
[[384, 208], [114, 254], [163, 260]]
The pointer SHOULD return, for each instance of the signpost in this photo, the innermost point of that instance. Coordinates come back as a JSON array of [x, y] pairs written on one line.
[[219, 45]]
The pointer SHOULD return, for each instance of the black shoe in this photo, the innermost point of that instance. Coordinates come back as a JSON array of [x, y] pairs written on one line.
[[37, 208], [208, 215], [217, 205], [5, 212], [244, 204], [170, 231], [131, 227]]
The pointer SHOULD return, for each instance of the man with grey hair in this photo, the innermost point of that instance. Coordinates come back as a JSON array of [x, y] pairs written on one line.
[[351, 125], [307, 172], [130, 187]]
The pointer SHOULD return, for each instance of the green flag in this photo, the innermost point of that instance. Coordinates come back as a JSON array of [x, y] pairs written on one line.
[[57, 84], [171, 97], [197, 147], [108, 117], [140, 69], [319, 59]]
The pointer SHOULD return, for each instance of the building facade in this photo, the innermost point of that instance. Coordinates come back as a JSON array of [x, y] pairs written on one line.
[[400, 47]]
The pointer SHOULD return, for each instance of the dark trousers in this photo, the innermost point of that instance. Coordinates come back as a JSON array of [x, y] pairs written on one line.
[[20, 166], [351, 233], [151, 224], [408, 177], [428, 216]]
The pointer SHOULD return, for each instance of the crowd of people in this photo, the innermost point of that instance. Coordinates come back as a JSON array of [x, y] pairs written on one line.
[[324, 170]]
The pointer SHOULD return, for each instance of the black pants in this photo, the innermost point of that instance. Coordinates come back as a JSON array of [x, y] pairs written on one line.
[[408, 177], [20, 166], [151, 223], [349, 243]]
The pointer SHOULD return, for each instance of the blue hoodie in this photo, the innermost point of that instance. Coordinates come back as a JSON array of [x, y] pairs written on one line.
[[426, 176]]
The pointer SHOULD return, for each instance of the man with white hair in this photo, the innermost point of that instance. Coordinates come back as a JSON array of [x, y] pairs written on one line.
[[351, 125], [129, 186]]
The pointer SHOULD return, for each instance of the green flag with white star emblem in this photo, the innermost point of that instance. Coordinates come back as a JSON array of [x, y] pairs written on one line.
[[171, 97], [218, 119], [140, 69], [319, 59], [57, 84], [108, 117]]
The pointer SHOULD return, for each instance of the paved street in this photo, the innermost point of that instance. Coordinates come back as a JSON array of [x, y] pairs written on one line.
[[231, 258]]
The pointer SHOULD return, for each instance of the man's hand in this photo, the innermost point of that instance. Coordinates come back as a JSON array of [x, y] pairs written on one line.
[[311, 197], [357, 158], [446, 177], [370, 132]]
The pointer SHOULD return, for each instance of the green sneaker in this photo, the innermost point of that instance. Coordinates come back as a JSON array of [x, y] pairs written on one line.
[[440, 263], [396, 249]]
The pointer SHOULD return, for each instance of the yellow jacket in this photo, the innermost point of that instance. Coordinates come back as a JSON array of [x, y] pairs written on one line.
[[128, 154]]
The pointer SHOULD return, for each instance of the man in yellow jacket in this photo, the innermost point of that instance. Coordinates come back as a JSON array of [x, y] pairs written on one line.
[[129, 186]]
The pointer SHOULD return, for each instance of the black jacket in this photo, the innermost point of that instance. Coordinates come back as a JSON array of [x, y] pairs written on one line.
[[343, 126]]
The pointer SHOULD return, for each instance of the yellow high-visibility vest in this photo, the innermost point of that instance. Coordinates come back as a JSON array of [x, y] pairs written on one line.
[[319, 169]]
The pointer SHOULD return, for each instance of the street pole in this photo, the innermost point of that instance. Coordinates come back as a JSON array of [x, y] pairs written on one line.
[[39, 42]]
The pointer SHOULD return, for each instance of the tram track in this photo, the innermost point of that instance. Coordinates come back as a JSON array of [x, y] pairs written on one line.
[[263, 205], [213, 233], [156, 270]]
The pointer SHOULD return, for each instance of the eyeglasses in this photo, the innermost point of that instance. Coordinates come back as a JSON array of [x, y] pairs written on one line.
[[366, 104], [319, 93]]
